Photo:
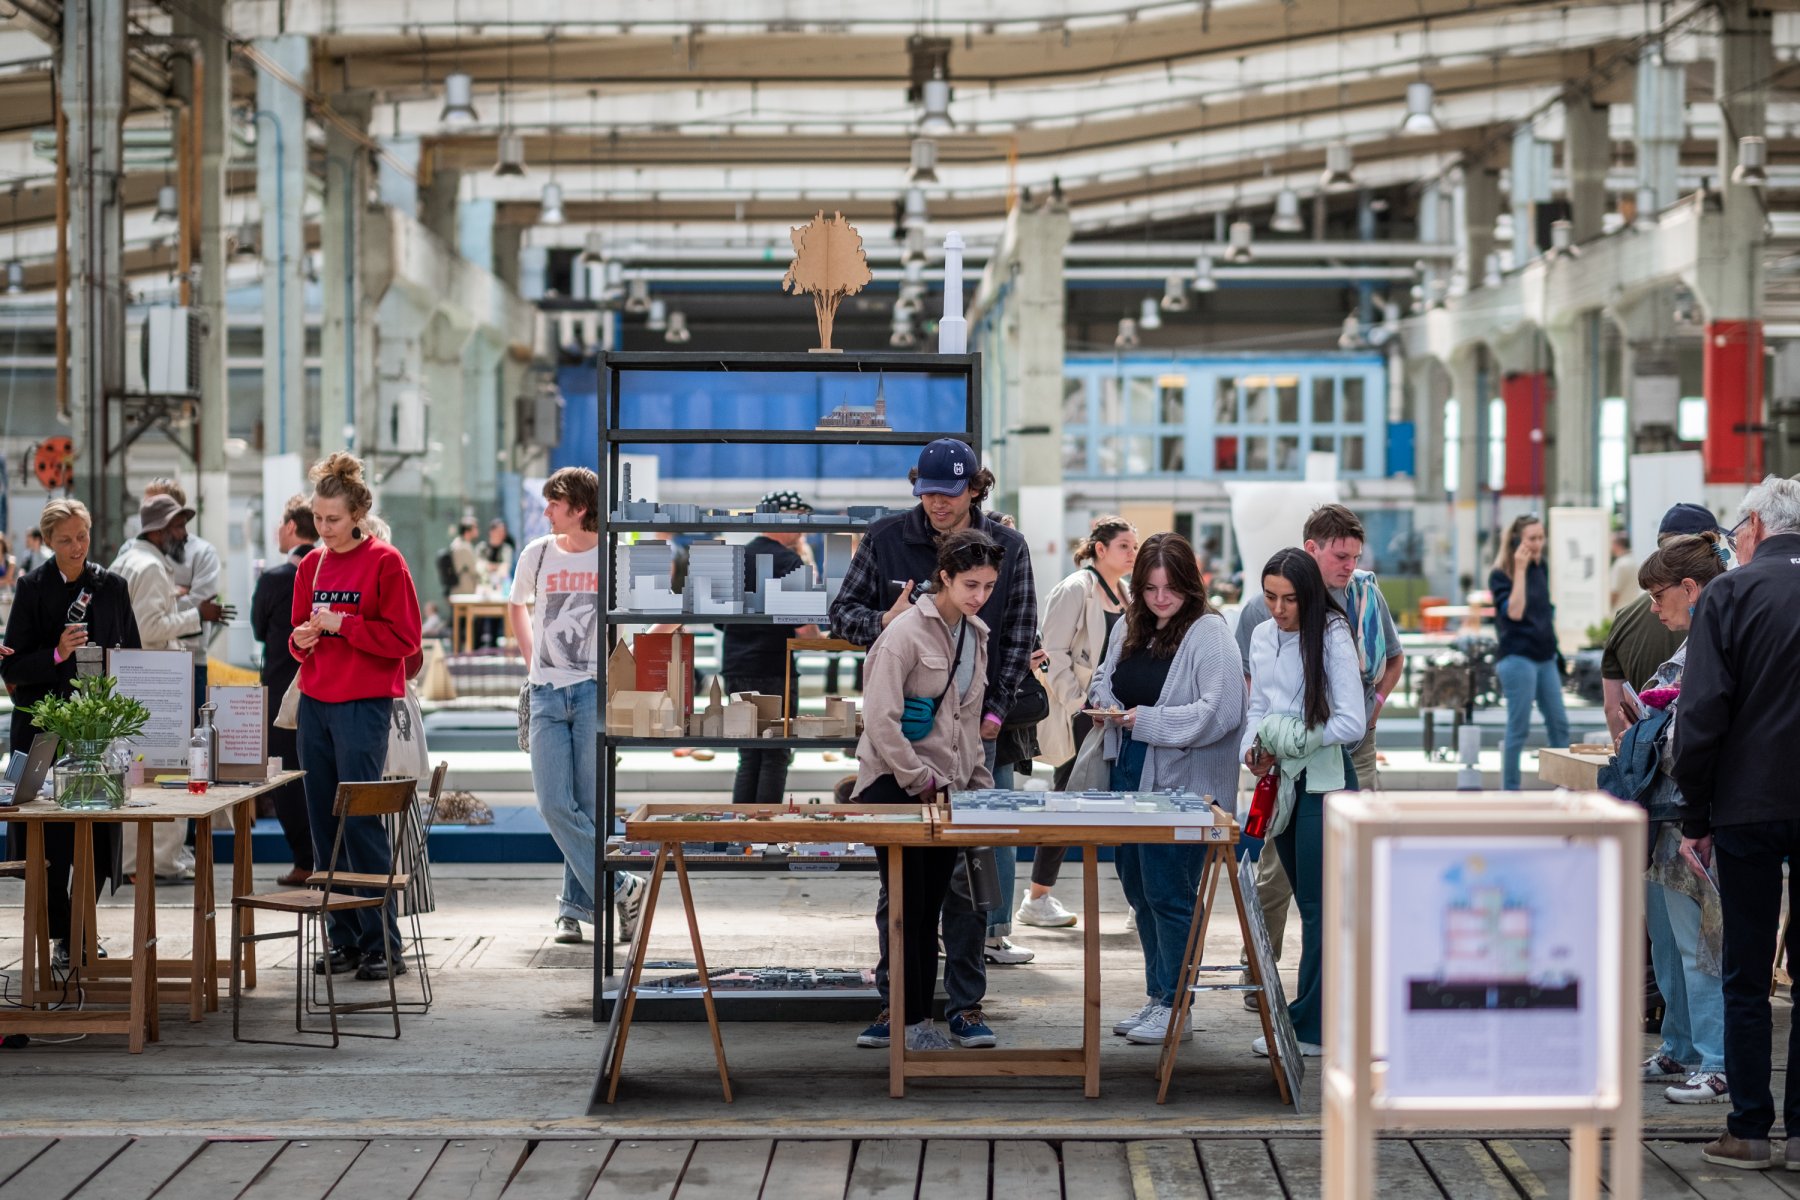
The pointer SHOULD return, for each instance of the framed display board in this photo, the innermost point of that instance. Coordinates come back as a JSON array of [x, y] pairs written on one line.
[[1262, 948], [1479, 950], [163, 681], [240, 715]]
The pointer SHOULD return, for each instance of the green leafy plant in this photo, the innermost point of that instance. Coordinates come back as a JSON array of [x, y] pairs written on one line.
[[1597, 634], [93, 712]]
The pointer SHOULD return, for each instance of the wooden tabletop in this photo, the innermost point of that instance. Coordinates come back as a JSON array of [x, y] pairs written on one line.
[[1578, 770], [151, 803]]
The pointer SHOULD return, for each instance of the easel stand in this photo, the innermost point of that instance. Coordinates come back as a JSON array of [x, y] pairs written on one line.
[[1380, 849]]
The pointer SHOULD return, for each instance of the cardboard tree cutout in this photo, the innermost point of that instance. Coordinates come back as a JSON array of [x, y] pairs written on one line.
[[829, 263]]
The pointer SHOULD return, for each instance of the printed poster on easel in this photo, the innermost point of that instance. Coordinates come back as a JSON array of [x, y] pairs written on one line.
[[163, 681], [1273, 997], [239, 715]]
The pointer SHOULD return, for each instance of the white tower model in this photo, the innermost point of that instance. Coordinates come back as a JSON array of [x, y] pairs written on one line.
[[953, 329]]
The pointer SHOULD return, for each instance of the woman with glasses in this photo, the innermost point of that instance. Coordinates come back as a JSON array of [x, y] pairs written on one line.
[[1525, 620]]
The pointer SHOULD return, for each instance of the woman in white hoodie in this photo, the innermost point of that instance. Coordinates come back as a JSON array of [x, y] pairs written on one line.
[[1306, 711]]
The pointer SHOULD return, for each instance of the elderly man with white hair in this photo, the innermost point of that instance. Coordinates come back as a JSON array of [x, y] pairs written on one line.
[[1735, 730]]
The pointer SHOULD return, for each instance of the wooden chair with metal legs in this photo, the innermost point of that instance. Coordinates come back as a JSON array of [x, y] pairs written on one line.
[[313, 904]]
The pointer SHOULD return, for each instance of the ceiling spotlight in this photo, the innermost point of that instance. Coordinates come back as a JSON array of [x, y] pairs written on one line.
[[1238, 249], [511, 157], [15, 277], [1687, 312], [1753, 161], [1503, 228], [1562, 240], [459, 102], [1351, 338], [1203, 275], [1149, 314], [924, 162], [1127, 338], [1174, 297], [593, 250], [658, 320], [550, 206], [1287, 212], [1646, 218], [912, 215], [901, 334], [168, 204], [637, 296], [244, 243], [1490, 271], [915, 247], [1340, 168], [1419, 118], [677, 333], [935, 99]]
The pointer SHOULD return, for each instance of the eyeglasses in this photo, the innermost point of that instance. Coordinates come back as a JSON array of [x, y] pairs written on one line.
[[1732, 536], [1656, 595]]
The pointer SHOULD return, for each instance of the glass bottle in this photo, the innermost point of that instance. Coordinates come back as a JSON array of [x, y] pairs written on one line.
[[203, 747]]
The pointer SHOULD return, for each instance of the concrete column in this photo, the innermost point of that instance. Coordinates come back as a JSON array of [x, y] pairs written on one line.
[[346, 334], [393, 188], [475, 234], [91, 75], [484, 404], [1575, 420], [1425, 396], [1479, 198], [506, 243], [1466, 393], [1651, 369], [281, 194], [1587, 152], [1659, 111], [1531, 162], [438, 209]]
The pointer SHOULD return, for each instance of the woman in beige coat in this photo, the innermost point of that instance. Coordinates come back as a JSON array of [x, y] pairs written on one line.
[[1078, 618]]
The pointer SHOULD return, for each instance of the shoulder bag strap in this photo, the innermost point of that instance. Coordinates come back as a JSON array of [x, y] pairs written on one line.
[[955, 657], [1101, 580]]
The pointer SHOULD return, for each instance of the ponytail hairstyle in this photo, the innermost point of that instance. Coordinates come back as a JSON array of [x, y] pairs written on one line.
[[1175, 555], [1685, 556], [1104, 530], [964, 551], [340, 477], [1317, 610]]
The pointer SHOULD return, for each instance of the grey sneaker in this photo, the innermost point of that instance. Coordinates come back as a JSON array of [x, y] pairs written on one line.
[[1121, 1028], [628, 897], [568, 931], [1747, 1155]]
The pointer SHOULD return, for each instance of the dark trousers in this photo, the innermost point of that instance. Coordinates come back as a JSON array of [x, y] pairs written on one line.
[[762, 774], [1301, 847], [348, 743], [925, 874], [290, 799], [1750, 858], [59, 862]]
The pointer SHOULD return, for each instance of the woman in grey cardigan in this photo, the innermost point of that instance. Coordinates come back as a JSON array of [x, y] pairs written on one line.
[[1173, 673]]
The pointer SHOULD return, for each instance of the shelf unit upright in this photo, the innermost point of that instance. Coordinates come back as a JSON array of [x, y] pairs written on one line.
[[614, 436]]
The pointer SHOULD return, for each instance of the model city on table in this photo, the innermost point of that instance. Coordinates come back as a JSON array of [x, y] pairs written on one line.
[[1159, 808]]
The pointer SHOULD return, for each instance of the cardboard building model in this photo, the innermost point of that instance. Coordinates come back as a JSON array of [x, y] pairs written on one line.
[[634, 713]]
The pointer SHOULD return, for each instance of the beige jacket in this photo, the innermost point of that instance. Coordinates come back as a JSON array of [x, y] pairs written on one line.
[[912, 658], [1074, 637], [161, 620]]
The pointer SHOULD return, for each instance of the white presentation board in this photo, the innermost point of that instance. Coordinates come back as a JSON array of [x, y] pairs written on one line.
[[1578, 555], [1658, 481]]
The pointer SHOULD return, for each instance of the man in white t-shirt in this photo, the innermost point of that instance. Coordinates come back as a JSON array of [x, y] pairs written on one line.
[[556, 618]]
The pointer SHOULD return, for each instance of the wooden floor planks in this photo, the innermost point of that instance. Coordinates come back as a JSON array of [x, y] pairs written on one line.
[[1239, 1168]]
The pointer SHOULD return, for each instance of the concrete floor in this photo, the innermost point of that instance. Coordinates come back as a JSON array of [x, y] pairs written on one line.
[[509, 1048]]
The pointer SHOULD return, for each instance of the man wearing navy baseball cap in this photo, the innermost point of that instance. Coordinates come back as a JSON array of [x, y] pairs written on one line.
[[896, 555]]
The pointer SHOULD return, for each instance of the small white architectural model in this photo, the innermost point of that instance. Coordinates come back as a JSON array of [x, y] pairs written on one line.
[[997, 805], [715, 579], [793, 595], [641, 714], [643, 571]]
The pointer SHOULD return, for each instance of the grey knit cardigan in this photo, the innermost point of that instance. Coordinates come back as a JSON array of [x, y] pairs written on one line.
[[1193, 730]]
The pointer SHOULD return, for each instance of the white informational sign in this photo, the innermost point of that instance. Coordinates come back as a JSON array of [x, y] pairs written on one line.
[[1578, 555], [239, 714], [1040, 524], [1484, 962], [1657, 482], [163, 681], [1269, 516], [284, 475]]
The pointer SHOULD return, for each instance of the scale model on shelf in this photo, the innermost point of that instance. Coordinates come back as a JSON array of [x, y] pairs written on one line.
[[1165, 808], [717, 577], [859, 416], [649, 512]]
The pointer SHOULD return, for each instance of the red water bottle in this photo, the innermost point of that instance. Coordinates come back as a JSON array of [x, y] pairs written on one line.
[[1262, 805]]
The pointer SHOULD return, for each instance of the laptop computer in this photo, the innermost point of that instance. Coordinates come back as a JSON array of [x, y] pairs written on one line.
[[25, 773]]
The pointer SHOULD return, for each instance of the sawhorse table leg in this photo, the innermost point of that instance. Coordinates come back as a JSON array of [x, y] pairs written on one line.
[[1218, 861]]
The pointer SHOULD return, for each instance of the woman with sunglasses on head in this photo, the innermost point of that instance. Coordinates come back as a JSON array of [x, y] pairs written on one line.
[[1526, 661], [1173, 673], [1306, 711]]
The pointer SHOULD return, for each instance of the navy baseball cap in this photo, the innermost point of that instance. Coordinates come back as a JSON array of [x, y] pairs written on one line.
[[1689, 518], [945, 468]]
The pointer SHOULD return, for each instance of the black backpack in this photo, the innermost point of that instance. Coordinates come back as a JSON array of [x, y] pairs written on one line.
[[446, 569]]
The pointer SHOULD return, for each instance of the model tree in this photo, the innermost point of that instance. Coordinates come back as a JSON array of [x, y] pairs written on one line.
[[829, 263]]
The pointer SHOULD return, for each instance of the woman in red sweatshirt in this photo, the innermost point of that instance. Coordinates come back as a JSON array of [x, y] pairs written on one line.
[[356, 623]]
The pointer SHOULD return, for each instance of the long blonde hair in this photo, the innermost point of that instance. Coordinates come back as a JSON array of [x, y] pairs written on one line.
[[1509, 545]]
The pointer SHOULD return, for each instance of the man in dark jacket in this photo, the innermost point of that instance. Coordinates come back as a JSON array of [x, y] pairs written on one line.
[[1738, 715], [897, 554], [271, 620]]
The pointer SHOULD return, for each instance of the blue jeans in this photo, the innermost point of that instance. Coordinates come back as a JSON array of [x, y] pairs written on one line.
[[1160, 883], [348, 743], [1693, 1026], [565, 774], [1525, 680]]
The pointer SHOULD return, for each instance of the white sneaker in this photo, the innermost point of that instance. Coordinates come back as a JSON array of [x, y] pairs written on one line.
[[1047, 912], [1001, 950], [926, 1036], [1131, 920], [1121, 1028], [1156, 1027], [628, 896], [1702, 1087], [1260, 1048]]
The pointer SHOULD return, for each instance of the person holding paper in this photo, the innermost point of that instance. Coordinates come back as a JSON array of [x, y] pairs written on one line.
[[271, 620], [356, 623], [40, 661]]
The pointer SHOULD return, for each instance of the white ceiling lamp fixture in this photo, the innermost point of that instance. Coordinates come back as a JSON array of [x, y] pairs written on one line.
[[510, 160], [1203, 275], [1752, 170], [459, 101], [15, 277], [1149, 314], [1562, 240], [677, 333], [1419, 117], [1238, 247], [924, 163], [1174, 297], [1127, 338], [1287, 212], [593, 250], [1503, 227], [912, 212], [934, 101], [915, 247], [168, 205], [637, 296], [244, 242], [1490, 271], [658, 318], [1340, 168], [550, 205], [900, 332]]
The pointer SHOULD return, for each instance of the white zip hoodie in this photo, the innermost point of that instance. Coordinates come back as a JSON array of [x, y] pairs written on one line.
[[1278, 685]]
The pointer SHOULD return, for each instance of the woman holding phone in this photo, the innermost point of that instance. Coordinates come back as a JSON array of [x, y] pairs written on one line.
[[65, 604], [1525, 621], [923, 685], [1306, 711]]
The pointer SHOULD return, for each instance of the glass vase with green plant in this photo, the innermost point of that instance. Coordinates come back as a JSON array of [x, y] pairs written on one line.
[[87, 722]]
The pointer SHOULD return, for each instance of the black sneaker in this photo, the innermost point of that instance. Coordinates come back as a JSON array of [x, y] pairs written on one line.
[[377, 966], [340, 960], [59, 954]]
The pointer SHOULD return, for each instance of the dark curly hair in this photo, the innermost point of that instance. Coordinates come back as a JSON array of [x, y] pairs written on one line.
[[964, 551]]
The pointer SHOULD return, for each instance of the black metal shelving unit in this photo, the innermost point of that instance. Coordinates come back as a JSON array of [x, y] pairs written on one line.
[[612, 436]]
